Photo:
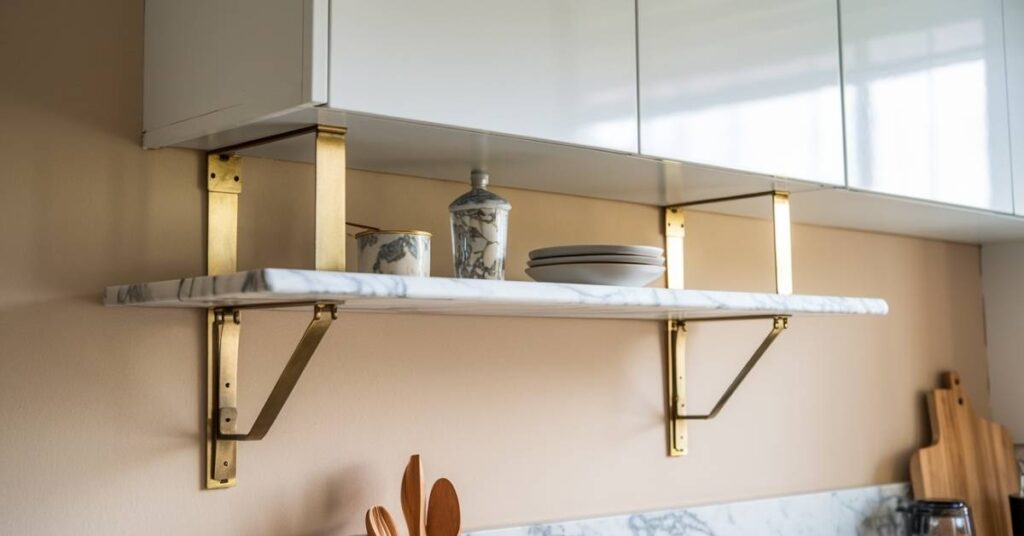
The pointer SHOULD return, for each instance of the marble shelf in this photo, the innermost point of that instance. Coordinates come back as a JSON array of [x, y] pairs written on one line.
[[357, 292]]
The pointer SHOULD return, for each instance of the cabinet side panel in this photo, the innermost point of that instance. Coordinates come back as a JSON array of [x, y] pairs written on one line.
[[317, 51], [1002, 268], [1014, 39], [210, 65]]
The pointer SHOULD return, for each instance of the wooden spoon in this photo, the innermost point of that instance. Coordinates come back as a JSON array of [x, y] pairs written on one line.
[[443, 515], [412, 496], [379, 522]]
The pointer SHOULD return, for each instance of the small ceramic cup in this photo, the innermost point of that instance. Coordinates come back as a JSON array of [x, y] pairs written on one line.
[[394, 252]]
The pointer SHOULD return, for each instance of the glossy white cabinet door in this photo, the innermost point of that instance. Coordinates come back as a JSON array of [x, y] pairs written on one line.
[[1014, 27], [743, 84], [925, 94], [562, 70]]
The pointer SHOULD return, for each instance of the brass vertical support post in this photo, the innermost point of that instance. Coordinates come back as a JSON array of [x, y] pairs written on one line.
[[783, 243], [675, 353], [676, 374], [224, 184], [330, 199], [227, 332], [675, 234], [675, 363]]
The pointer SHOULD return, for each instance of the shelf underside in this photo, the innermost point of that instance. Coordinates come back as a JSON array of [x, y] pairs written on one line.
[[424, 150], [358, 292]]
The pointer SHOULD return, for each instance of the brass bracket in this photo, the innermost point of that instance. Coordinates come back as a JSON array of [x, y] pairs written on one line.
[[783, 244], [224, 184], [675, 355], [675, 363], [224, 180], [223, 434], [675, 235]]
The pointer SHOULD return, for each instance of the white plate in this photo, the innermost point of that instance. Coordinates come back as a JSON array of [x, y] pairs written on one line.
[[596, 249], [622, 275], [577, 259]]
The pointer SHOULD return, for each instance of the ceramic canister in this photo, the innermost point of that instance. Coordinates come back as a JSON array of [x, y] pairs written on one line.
[[394, 252], [479, 231]]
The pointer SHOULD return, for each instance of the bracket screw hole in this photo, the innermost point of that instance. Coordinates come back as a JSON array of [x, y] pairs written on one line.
[[225, 463], [213, 175], [236, 178], [960, 401], [227, 419], [957, 382], [228, 384]]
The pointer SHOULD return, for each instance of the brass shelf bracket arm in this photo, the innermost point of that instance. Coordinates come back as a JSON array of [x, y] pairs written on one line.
[[227, 327], [675, 355], [675, 361], [675, 232], [224, 180]]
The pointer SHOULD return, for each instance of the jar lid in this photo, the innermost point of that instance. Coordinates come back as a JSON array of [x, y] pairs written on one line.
[[938, 507], [479, 196], [393, 231], [938, 504]]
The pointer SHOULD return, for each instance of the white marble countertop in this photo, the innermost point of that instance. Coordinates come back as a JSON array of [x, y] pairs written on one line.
[[868, 511], [439, 295]]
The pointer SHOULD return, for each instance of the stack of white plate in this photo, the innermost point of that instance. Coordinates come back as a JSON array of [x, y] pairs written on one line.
[[597, 264]]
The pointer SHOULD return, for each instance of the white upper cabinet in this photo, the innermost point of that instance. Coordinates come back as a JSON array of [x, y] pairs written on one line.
[[1014, 27], [925, 95], [745, 84], [555, 70], [719, 97]]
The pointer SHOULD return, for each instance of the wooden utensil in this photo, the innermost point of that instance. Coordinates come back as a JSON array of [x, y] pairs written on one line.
[[443, 514], [412, 496], [380, 523], [971, 459]]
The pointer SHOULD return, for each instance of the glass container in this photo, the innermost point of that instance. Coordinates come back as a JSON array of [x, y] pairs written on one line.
[[939, 518]]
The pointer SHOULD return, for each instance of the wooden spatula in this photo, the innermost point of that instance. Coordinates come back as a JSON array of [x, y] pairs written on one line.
[[380, 523], [412, 496], [443, 514]]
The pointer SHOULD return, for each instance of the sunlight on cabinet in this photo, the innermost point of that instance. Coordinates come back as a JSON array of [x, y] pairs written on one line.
[[751, 85], [562, 71], [925, 94]]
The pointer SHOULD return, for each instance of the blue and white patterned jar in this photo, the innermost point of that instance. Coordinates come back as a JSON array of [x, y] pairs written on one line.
[[394, 252], [479, 231]]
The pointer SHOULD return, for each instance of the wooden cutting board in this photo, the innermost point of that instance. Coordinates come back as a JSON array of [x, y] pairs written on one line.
[[971, 459]]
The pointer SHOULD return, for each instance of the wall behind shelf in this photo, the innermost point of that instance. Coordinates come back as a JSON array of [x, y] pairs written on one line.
[[100, 409]]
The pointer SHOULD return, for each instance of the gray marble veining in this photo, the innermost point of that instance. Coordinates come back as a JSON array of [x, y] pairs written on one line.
[[869, 511], [389, 293]]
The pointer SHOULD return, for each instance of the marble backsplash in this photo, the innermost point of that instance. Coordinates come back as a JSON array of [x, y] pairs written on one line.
[[869, 511]]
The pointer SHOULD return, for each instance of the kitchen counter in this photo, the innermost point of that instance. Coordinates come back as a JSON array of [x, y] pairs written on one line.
[[868, 511]]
